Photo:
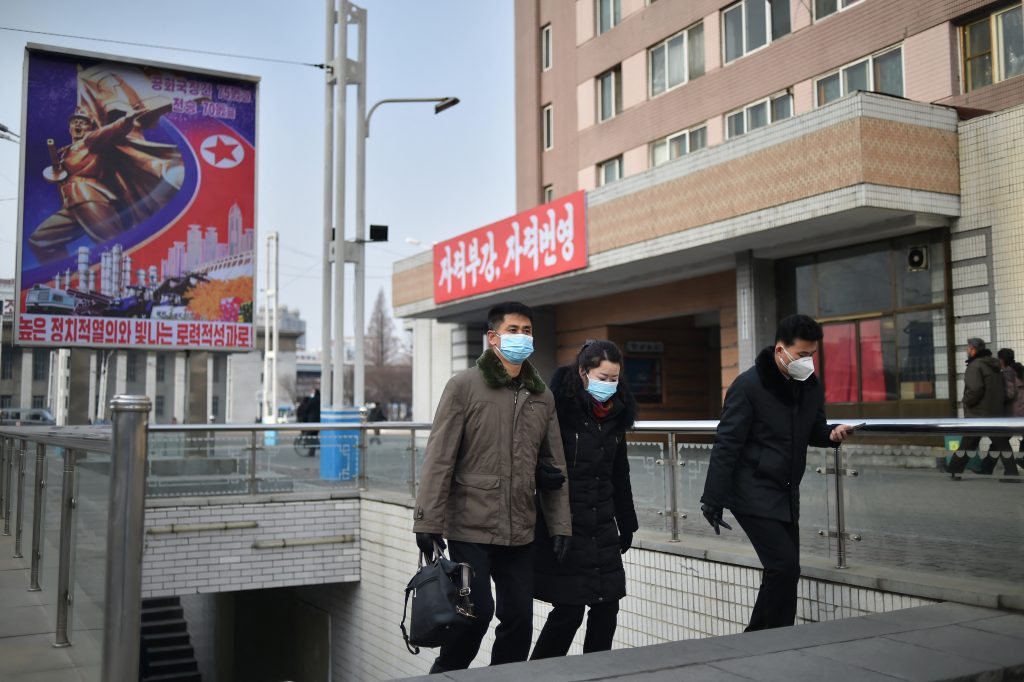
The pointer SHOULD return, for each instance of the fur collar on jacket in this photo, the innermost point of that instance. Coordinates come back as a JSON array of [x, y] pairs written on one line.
[[621, 411], [496, 376], [772, 379]]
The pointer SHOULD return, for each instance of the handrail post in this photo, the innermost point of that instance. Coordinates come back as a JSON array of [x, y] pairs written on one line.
[[253, 482], [363, 439], [68, 502], [37, 518], [20, 513], [3, 476], [837, 464], [412, 463], [122, 612], [673, 494], [8, 485]]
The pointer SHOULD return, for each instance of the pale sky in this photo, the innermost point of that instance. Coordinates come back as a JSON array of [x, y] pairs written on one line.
[[428, 177]]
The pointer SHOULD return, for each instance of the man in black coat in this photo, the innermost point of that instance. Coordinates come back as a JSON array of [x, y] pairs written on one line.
[[772, 413]]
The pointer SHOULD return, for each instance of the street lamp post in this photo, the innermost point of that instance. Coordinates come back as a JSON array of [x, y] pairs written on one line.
[[362, 133]]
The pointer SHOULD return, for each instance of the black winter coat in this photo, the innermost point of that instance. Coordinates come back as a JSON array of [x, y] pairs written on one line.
[[760, 450], [601, 501]]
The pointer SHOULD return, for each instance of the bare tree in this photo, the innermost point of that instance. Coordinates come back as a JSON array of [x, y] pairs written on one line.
[[382, 345]]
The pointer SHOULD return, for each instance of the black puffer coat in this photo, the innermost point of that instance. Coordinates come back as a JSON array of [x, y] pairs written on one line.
[[601, 501]]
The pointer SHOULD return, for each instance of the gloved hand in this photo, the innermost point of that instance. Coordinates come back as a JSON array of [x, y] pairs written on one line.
[[548, 477], [425, 541], [560, 545], [714, 517], [625, 542]]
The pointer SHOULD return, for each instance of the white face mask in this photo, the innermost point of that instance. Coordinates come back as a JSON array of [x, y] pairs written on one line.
[[800, 369]]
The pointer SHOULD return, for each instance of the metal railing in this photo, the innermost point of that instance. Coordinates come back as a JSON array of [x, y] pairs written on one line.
[[667, 475]]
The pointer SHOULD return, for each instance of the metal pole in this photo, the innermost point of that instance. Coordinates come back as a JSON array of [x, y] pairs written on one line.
[[326, 384], [359, 317], [412, 463], [18, 523], [253, 483], [37, 518], [363, 439], [673, 494], [837, 464], [122, 613], [338, 378], [68, 502], [8, 475], [3, 477]]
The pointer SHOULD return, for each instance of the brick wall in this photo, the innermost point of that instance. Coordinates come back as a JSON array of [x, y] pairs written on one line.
[[226, 560]]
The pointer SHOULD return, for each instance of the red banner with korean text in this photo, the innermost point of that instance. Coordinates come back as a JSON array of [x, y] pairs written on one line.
[[547, 240]]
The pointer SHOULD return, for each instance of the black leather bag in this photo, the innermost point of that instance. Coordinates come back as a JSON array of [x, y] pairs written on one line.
[[440, 602]]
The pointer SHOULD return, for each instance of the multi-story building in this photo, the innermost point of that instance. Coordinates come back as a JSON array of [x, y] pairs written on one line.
[[856, 160]]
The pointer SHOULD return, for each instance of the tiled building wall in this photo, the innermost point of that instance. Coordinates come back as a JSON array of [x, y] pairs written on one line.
[[987, 242], [671, 597], [226, 560]]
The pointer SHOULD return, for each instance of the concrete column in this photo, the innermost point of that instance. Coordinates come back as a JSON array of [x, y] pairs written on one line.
[[151, 389], [229, 398], [26, 377], [93, 380], [180, 387], [210, 386], [755, 306], [121, 373]]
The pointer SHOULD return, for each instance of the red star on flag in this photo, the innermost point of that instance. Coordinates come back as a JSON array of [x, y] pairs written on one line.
[[222, 151]]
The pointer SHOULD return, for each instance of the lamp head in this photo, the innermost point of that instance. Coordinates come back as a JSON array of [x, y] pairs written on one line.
[[446, 103]]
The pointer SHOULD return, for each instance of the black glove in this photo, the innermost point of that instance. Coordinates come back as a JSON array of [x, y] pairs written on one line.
[[549, 477], [714, 516], [425, 541], [625, 542], [560, 545]]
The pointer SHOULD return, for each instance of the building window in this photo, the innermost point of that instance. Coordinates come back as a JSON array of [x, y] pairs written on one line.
[[40, 365], [993, 48], [609, 171], [7, 363], [759, 114], [161, 367], [547, 118], [549, 193], [823, 8], [676, 60], [6, 400], [130, 371], [545, 48], [678, 144], [882, 72], [608, 15], [38, 402], [751, 24], [609, 94], [159, 407]]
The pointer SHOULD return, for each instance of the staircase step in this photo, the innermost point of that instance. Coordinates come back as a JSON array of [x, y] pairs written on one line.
[[162, 613], [162, 653], [158, 626], [174, 677], [164, 639], [158, 602], [173, 665]]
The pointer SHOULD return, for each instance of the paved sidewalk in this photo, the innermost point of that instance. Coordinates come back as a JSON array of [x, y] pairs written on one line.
[[926, 644]]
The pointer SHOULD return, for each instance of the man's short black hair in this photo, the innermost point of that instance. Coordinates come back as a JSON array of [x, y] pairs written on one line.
[[798, 327], [497, 314]]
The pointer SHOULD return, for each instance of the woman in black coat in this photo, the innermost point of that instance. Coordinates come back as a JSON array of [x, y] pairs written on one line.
[[595, 409]]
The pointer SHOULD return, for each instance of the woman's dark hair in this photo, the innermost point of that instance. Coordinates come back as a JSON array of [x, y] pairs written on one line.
[[590, 356], [1007, 356]]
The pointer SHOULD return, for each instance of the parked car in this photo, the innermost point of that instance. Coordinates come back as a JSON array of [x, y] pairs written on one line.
[[19, 416]]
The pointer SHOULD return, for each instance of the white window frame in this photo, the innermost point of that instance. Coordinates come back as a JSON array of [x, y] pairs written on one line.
[[841, 6], [616, 74], [616, 16], [870, 59], [669, 139], [600, 170], [768, 29], [547, 193], [745, 110], [995, 49], [547, 126], [686, 63], [545, 47]]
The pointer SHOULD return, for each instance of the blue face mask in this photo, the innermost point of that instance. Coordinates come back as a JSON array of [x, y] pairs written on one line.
[[516, 347], [601, 390]]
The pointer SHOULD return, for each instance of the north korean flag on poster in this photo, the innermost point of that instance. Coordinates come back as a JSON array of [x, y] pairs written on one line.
[[138, 206]]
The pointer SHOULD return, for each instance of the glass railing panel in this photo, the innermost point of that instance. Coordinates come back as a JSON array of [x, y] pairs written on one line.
[[88, 586], [648, 479], [287, 460], [197, 463], [387, 460]]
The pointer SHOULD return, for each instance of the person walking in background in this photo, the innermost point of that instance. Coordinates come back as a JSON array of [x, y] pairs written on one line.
[[1013, 378], [595, 409], [309, 411], [984, 396], [494, 424], [772, 413]]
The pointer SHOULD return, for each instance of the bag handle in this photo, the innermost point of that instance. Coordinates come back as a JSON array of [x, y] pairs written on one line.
[[413, 649]]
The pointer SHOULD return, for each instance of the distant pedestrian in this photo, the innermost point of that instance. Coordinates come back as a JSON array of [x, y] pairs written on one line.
[[772, 413], [595, 409], [984, 396], [309, 412], [1013, 377]]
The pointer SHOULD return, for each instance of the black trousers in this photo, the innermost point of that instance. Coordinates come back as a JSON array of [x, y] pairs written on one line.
[[511, 568], [563, 622], [1000, 449], [777, 544]]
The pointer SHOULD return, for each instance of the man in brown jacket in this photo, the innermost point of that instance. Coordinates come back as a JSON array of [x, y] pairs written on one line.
[[495, 423]]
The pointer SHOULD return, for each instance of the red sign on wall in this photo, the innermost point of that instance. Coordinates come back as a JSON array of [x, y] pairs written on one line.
[[544, 241]]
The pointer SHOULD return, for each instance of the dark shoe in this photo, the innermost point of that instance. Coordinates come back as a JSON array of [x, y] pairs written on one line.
[[956, 477]]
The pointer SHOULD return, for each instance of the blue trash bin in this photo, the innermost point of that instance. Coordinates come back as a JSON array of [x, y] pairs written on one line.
[[339, 450]]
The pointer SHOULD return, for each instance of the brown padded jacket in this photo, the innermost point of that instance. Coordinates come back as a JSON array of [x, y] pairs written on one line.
[[477, 483]]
